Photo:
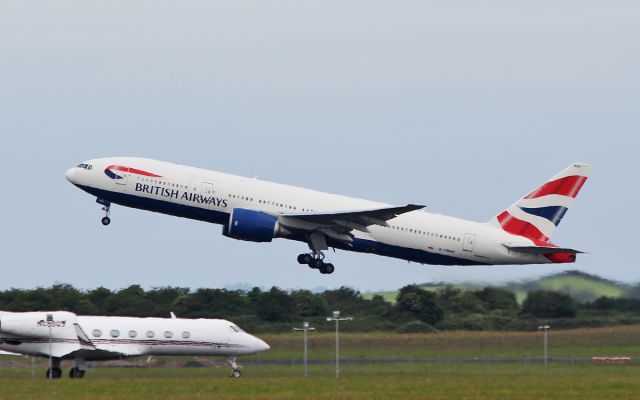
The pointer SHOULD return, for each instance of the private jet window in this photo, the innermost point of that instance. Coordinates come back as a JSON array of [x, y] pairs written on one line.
[[168, 334], [186, 335], [115, 333], [150, 334], [133, 334], [233, 328], [96, 333]]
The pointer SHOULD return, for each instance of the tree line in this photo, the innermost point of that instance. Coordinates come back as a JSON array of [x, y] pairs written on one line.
[[415, 310]]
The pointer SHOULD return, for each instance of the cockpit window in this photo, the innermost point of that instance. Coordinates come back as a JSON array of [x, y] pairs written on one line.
[[235, 328], [88, 167]]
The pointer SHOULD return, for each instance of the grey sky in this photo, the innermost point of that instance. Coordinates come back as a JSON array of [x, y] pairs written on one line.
[[461, 105]]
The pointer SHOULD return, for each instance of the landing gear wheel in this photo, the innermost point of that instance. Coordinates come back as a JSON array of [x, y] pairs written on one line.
[[54, 373], [235, 373], [316, 263], [304, 258], [76, 372], [327, 269], [107, 210]]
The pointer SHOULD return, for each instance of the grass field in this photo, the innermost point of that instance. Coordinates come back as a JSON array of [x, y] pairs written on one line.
[[462, 365]]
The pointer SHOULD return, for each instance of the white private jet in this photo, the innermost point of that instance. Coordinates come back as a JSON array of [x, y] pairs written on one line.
[[259, 211], [64, 335]]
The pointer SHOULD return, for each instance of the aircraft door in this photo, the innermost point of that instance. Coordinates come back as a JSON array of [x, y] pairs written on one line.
[[469, 242], [207, 191], [121, 182]]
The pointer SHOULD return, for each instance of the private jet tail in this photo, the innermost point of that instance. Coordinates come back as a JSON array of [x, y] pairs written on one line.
[[537, 215]]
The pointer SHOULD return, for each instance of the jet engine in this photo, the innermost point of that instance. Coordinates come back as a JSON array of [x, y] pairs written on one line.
[[251, 225]]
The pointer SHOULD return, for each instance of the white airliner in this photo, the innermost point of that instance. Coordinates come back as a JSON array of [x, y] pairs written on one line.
[[64, 335], [259, 211]]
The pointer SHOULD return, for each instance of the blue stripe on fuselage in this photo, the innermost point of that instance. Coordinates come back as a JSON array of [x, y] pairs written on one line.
[[219, 217], [161, 206]]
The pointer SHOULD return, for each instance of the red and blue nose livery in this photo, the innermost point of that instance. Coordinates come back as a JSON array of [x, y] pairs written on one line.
[[112, 171]]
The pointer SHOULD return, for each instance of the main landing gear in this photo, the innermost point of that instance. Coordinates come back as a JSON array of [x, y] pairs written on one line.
[[77, 372], [316, 261], [317, 242], [54, 371]]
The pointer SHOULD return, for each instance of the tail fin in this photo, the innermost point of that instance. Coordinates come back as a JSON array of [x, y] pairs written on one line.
[[537, 215]]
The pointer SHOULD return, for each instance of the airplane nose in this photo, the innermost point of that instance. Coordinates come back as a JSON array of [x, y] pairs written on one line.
[[70, 174], [261, 345]]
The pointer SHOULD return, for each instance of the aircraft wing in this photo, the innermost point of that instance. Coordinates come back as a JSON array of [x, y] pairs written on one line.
[[125, 350], [97, 345], [339, 224]]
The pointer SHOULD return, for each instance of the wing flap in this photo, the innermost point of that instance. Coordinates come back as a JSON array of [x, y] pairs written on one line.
[[349, 220]]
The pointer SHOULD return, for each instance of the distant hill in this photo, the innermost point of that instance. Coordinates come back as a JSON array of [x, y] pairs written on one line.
[[579, 285]]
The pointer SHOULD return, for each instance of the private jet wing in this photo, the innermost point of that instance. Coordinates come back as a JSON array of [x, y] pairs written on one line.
[[101, 345], [339, 224]]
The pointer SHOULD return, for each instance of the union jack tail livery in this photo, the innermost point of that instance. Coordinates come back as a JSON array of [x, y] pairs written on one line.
[[537, 215]]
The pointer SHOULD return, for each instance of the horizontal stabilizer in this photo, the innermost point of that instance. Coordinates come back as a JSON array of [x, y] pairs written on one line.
[[542, 250]]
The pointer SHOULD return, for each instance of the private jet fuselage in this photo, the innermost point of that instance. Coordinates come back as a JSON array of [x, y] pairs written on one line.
[[65, 335]]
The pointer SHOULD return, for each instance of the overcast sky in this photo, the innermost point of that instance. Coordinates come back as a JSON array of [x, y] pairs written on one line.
[[462, 105]]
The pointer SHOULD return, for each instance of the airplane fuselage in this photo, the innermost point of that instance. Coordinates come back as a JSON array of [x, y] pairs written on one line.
[[211, 196], [103, 338], [62, 335]]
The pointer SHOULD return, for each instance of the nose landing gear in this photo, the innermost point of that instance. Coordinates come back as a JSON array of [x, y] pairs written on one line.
[[235, 372], [107, 210]]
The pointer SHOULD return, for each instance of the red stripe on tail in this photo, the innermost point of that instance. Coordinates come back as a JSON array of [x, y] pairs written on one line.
[[567, 186], [519, 227]]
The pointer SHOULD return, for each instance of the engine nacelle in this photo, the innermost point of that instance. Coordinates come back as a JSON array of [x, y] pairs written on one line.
[[57, 324], [251, 225]]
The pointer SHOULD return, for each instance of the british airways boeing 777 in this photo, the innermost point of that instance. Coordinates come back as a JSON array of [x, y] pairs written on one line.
[[259, 211]]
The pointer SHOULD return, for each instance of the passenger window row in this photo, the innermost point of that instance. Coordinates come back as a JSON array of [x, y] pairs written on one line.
[[419, 232], [132, 334]]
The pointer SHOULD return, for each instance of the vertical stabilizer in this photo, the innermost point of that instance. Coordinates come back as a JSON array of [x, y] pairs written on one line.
[[537, 215]]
